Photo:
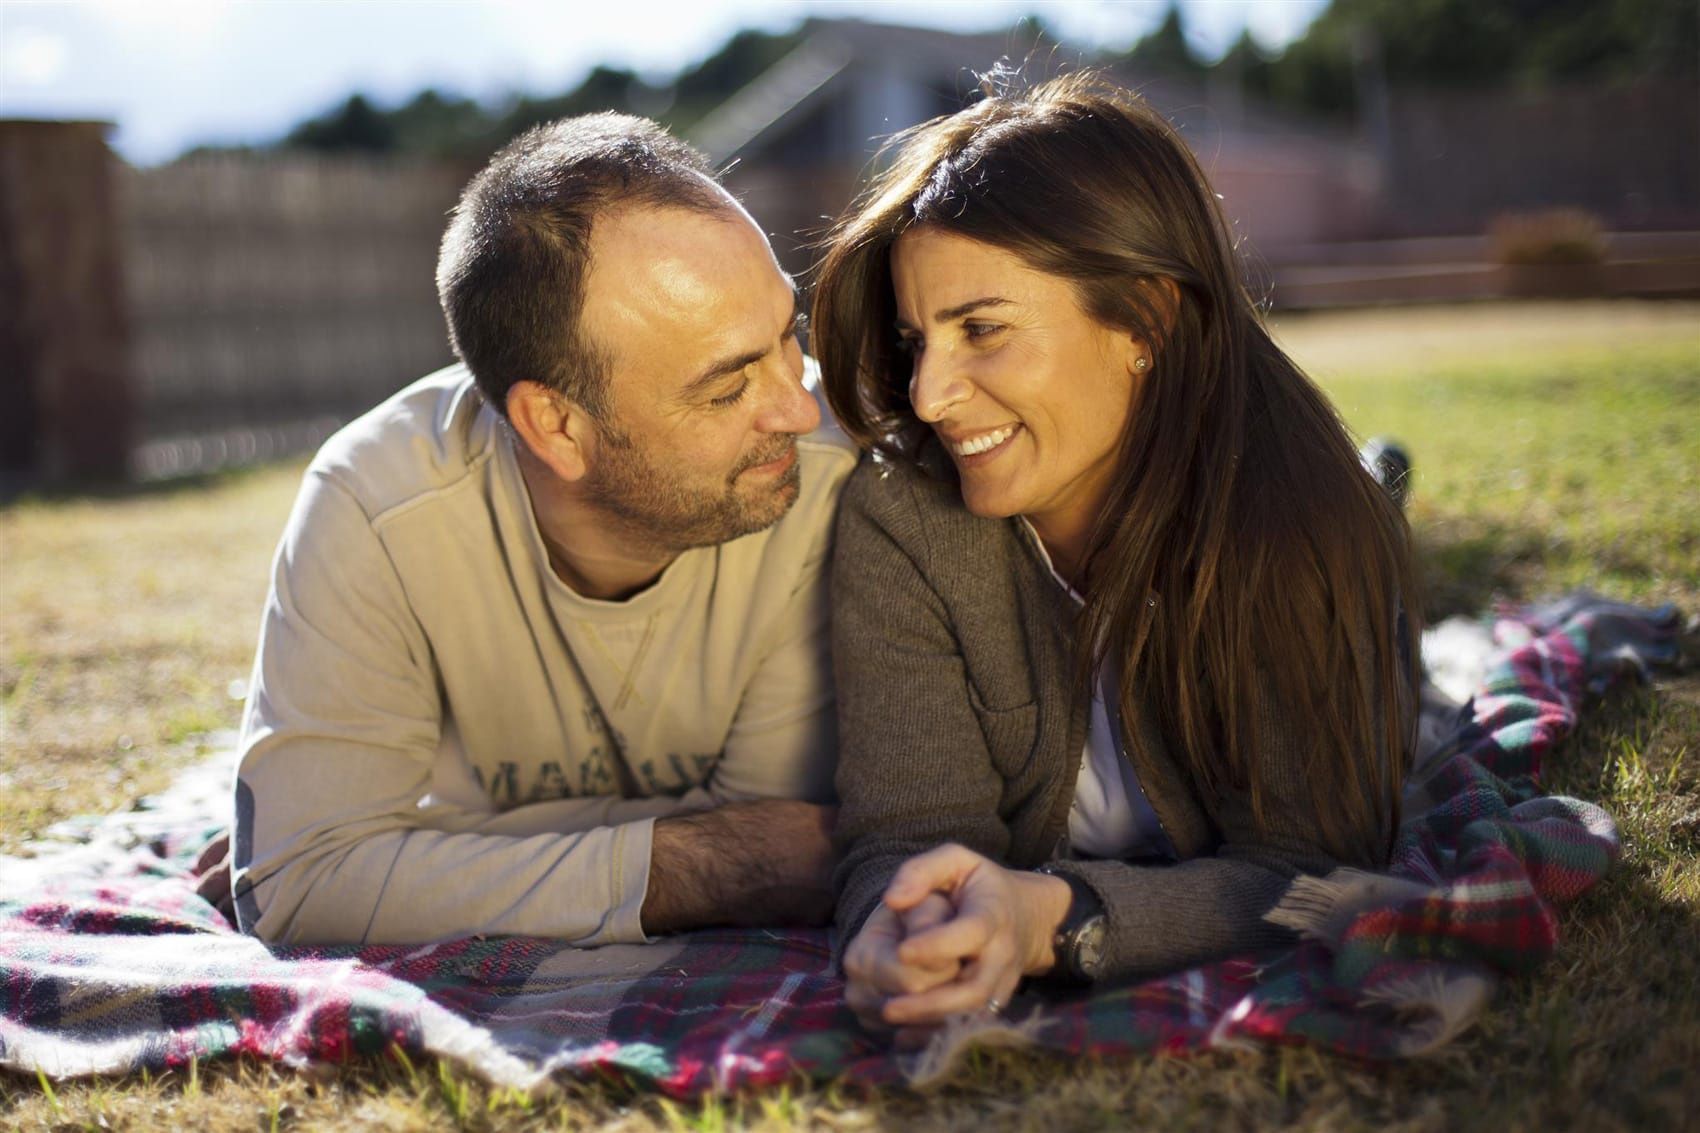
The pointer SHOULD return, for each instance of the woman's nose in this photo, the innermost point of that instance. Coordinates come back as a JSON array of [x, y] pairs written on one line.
[[935, 386]]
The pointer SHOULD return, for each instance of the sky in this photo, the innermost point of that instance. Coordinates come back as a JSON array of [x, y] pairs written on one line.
[[176, 73]]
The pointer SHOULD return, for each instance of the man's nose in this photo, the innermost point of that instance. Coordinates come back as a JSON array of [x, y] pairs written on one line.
[[935, 385], [791, 408]]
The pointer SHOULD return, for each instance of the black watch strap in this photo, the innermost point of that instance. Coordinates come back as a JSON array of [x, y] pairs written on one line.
[[1079, 939]]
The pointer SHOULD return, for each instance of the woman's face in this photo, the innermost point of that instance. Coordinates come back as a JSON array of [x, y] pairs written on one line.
[[1028, 393]]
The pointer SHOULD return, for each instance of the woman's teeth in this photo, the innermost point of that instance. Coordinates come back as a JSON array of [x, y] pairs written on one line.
[[984, 442]]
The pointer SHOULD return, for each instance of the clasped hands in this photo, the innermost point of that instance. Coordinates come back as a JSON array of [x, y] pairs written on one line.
[[953, 934]]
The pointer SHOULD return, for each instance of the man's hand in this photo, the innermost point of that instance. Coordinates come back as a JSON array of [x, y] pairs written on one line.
[[763, 862]]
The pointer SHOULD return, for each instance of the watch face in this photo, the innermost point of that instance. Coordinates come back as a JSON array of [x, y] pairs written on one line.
[[1089, 948]]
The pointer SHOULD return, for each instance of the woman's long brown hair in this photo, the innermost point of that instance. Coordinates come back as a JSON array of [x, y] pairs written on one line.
[[1247, 567]]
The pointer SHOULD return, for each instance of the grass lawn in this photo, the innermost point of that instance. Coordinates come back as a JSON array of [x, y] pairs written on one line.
[[1556, 445]]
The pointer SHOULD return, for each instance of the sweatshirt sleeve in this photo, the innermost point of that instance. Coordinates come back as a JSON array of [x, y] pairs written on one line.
[[343, 721]]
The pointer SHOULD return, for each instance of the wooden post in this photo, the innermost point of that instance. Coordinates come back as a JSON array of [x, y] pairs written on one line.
[[64, 350]]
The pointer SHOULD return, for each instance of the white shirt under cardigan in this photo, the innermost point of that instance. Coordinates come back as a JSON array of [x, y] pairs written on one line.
[[1110, 817]]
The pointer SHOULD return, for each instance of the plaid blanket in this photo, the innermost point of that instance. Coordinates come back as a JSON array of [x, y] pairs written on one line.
[[110, 963]]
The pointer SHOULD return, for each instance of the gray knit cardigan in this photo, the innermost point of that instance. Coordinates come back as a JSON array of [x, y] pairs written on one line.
[[960, 721]]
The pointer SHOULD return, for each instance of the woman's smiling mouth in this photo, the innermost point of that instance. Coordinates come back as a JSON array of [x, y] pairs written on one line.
[[982, 446]]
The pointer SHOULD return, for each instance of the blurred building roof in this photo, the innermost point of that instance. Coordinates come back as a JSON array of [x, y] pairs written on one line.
[[882, 78], [878, 68], [797, 138]]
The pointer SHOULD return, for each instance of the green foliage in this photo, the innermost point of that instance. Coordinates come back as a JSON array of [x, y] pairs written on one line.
[[438, 125], [605, 88], [1165, 50], [1317, 73], [1461, 43], [433, 124], [701, 88], [1250, 64], [355, 125]]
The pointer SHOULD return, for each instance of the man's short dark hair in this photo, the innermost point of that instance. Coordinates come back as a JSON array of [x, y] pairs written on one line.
[[512, 269]]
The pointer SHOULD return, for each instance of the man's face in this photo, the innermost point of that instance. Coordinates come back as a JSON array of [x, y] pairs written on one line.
[[705, 391]]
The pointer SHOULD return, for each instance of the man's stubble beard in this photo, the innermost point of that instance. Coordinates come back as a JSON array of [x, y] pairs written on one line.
[[654, 505]]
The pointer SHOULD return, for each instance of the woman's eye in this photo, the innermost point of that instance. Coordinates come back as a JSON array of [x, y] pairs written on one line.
[[980, 330], [732, 398], [909, 347]]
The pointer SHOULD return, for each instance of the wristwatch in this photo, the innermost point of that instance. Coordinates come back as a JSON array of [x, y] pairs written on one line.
[[1079, 941]]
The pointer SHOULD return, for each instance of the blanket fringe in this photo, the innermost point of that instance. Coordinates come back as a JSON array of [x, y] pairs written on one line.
[[1434, 1006], [1322, 908], [964, 1032]]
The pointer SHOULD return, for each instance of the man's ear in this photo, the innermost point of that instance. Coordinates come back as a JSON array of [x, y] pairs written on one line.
[[554, 429]]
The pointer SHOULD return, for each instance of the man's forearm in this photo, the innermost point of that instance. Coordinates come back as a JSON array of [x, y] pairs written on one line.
[[764, 862]]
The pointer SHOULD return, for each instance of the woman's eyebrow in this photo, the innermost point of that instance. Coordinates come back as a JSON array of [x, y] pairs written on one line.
[[961, 309]]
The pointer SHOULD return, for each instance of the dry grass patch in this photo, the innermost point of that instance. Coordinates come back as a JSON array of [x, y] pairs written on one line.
[[124, 621]]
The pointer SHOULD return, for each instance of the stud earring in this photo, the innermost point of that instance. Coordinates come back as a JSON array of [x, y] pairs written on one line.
[[1141, 363]]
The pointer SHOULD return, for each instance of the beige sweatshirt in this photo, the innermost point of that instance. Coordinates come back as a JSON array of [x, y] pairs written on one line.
[[442, 738]]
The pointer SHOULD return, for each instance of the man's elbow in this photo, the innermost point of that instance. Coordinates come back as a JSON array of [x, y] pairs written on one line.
[[289, 908]]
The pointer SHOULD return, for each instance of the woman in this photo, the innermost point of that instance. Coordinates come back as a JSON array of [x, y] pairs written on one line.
[[1118, 613]]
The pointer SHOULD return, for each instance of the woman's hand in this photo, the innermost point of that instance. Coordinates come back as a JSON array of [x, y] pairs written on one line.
[[1000, 929], [874, 973]]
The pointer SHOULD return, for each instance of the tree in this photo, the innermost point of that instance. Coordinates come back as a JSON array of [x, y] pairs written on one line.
[[355, 125], [1250, 64], [1166, 50], [699, 89], [1462, 43], [439, 125], [605, 88]]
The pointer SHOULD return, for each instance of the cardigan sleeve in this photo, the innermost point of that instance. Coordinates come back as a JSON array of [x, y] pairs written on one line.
[[901, 684], [1171, 916], [1164, 917]]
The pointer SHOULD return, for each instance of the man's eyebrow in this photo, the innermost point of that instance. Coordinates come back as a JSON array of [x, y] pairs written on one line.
[[718, 370], [960, 309], [731, 365]]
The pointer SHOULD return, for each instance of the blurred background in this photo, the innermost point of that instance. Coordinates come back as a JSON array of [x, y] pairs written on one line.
[[219, 221]]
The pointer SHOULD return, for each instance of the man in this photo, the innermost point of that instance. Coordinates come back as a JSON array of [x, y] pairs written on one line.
[[545, 650]]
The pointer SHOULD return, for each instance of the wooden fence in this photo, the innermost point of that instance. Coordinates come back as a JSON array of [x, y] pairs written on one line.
[[271, 298], [64, 371], [1630, 153]]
